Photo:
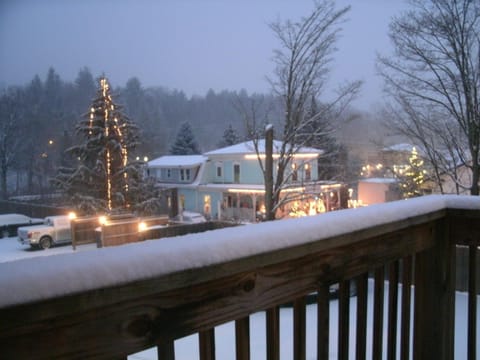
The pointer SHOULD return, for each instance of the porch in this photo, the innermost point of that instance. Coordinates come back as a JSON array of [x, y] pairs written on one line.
[[113, 302]]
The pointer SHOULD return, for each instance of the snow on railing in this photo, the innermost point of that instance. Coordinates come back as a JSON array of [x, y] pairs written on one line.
[[72, 273]]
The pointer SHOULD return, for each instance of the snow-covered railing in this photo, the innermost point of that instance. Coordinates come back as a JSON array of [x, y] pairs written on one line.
[[112, 302]]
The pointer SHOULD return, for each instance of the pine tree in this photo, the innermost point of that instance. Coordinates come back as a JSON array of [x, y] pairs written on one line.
[[414, 176], [230, 137], [103, 179], [185, 143]]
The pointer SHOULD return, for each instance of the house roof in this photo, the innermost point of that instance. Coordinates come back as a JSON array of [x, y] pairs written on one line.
[[178, 161], [247, 147]]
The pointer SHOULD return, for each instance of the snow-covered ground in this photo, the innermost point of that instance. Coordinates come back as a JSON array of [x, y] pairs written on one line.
[[11, 250], [187, 348]]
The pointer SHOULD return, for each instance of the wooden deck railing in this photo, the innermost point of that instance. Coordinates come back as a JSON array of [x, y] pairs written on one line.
[[411, 243]]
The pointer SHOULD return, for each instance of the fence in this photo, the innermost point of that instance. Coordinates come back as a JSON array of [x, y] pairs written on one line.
[[157, 292]]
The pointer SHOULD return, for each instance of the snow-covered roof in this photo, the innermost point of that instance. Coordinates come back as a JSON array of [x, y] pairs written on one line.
[[177, 161], [247, 147]]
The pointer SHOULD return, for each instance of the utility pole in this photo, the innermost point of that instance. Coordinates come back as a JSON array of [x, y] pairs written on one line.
[[270, 213]]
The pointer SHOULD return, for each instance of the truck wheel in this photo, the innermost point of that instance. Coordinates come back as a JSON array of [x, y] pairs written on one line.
[[45, 242]]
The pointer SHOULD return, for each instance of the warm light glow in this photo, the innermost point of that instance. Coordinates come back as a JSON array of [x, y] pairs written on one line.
[[257, 191], [145, 158], [142, 226], [50, 142], [72, 215], [102, 220]]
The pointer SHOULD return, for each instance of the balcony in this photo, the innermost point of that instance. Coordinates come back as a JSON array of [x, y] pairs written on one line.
[[113, 302]]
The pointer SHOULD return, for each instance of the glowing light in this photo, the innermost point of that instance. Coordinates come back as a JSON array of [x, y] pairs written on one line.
[[50, 142], [72, 215], [102, 220], [258, 191], [142, 226]]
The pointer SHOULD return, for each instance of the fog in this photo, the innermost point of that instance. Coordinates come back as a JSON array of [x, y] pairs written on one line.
[[187, 45]]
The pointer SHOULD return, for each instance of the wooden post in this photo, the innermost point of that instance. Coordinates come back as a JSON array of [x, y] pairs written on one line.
[[434, 308]]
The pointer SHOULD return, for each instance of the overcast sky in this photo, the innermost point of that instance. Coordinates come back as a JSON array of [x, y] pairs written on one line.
[[189, 45]]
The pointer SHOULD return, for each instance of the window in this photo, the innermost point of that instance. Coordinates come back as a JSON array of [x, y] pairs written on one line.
[[169, 173], [236, 173], [294, 172], [219, 169], [207, 205], [308, 172], [184, 174]]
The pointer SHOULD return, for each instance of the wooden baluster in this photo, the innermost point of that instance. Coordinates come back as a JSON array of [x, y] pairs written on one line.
[[378, 313], [242, 338], [343, 319], [434, 308], [207, 344], [362, 301], [323, 321], [166, 350], [472, 302], [406, 308], [392, 311], [273, 333], [299, 329]]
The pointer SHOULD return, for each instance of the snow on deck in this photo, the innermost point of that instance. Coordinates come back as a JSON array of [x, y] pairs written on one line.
[[33, 279]]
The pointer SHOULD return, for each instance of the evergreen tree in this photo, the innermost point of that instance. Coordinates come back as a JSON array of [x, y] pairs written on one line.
[[185, 143], [103, 179], [414, 176], [230, 137]]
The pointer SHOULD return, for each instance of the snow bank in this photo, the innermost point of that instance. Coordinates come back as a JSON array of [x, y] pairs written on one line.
[[52, 276]]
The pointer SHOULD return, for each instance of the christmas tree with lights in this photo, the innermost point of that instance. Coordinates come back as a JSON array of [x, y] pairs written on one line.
[[104, 179], [414, 176]]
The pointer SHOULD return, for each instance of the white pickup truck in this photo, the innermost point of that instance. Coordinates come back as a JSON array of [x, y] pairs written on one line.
[[55, 230]]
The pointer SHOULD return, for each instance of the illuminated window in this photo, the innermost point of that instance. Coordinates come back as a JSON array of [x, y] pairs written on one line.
[[308, 172]]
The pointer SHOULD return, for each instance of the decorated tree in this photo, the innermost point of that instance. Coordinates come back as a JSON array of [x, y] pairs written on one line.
[[103, 179], [414, 176], [185, 143]]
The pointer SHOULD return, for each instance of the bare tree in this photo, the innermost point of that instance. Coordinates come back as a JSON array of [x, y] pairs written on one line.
[[434, 82], [302, 65]]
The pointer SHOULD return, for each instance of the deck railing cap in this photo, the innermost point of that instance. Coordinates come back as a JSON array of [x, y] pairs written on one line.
[[36, 279]]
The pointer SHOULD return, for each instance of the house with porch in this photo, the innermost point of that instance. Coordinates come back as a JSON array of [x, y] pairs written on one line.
[[227, 183]]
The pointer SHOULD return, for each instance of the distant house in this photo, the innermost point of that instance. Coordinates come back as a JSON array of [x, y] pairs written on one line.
[[228, 183]]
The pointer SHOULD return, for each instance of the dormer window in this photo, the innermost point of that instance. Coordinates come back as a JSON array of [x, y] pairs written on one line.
[[184, 174]]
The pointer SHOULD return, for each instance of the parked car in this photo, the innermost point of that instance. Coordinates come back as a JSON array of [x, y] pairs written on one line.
[[55, 230], [189, 217], [9, 223]]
